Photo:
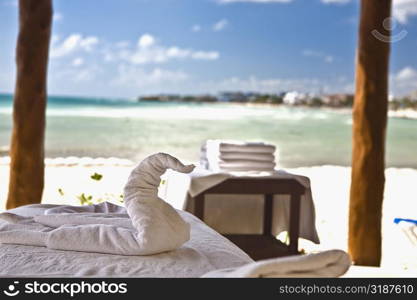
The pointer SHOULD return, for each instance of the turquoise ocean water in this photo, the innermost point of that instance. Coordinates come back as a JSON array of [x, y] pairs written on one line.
[[127, 129]]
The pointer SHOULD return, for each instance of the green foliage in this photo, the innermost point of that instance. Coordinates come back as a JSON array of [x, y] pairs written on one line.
[[316, 102], [276, 99], [348, 101], [96, 176], [403, 103], [271, 99], [86, 199]]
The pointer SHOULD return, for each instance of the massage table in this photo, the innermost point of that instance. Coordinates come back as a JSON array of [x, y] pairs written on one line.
[[206, 251], [155, 239], [206, 254]]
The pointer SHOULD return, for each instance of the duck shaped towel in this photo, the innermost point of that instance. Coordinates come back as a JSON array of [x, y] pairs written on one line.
[[150, 226]]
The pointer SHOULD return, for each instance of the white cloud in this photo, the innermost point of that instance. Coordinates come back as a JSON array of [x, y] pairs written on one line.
[[404, 81], [84, 75], [406, 74], [137, 77], [404, 9], [149, 51], [196, 28], [57, 17], [122, 44], [264, 85], [317, 54], [76, 62], [13, 3], [73, 43], [76, 73], [220, 25], [254, 1], [146, 41], [88, 43], [205, 55]]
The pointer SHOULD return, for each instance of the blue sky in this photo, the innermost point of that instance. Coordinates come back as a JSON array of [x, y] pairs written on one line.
[[126, 48]]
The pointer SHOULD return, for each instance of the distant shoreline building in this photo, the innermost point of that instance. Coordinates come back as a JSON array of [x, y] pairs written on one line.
[[291, 98]]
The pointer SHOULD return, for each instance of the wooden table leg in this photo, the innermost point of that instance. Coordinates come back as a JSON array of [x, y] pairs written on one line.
[[268, 206], [199, 206], [294, 222]]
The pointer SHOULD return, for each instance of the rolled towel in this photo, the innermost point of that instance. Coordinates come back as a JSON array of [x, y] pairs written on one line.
[[331, 263]]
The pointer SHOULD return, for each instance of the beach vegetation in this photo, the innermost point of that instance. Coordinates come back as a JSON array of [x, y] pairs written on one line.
[[338, 100], [89, 199], [96, 176]]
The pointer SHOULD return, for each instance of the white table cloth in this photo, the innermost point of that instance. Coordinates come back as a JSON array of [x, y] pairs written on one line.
[[239, 214]]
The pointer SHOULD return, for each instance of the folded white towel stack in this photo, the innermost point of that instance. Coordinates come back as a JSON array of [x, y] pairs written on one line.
[[237, 156]]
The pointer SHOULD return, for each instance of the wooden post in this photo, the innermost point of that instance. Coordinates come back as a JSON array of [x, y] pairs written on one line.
[[369, 131], [27, 144]]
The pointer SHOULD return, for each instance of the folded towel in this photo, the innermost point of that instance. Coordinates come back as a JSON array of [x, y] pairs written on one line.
[[253, 156], [152, 226], [225, 156], [240, 146], [238, 166], [57, 220], [245, 170], [105, 207], [229, 156], [246, 164], [15, 229], [332, 263]]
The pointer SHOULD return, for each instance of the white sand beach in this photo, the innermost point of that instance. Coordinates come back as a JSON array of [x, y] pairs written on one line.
[[330, 186], [403, 113]]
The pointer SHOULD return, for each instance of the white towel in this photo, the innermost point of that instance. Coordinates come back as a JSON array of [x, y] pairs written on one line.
[[104, 207], [253, 156], [217, 155], [240, 146], [225, 156], [160, 227], [57, 220], [332, 263], [249, 164], [238, 165], [153, 225]]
